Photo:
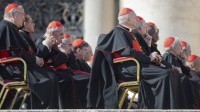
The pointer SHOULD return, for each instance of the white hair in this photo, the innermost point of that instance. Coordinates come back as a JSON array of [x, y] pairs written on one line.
[[123, 18], [49, 30], [8, 14]]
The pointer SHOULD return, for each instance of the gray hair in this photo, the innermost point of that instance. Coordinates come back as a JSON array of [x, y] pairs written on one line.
[[49, 30], [8, 14], [123, 18]]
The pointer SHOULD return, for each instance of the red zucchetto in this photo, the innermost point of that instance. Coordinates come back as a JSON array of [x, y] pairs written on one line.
[[124, 11], [10, 6], [192, 58], [54, 24], [78, 42]]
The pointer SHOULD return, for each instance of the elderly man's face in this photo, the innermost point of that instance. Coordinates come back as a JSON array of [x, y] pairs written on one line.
[[29, 25], [177, 48], [133, 20], [19, 17], [59, 35], [188, 50]]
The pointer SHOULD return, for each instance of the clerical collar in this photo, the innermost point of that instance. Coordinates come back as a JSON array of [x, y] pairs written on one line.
[[125, 27]]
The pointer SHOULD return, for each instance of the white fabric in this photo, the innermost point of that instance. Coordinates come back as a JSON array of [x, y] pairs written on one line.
[[131, 94]]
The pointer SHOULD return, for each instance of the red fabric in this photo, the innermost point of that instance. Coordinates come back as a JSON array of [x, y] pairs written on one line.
[[136, 45], [66, 35], [54, 24], [7, 81], [121, 58], [124, 11], [4, 53], [120, 81], [82, 72], [10, 6], [183, 43], [151, 23], [115, 55], [168, 41], [63, 66], [192, 57], [139, 18], [77, 42]]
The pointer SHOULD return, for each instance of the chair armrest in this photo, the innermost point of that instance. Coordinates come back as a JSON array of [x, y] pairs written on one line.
[[13, 59], [124, 59]]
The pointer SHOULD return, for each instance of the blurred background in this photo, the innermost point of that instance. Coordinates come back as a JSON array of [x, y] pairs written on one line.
[[88, 19]]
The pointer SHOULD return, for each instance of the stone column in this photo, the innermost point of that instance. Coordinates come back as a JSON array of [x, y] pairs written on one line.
[[98, 19], [173, 17]]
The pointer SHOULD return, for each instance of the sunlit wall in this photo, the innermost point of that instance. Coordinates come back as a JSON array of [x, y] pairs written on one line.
[[173, 17]]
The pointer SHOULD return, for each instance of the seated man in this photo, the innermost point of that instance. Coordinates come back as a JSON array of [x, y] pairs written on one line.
[[173, 51], [185, 51], [156, 85], [147, 38], [42, 83], [153, 31], [194, 63], [48, 50], [80, 77], [81, 51]]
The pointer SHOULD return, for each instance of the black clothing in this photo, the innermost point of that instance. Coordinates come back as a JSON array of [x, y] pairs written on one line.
[[188, 87], [195, 76], [42, 83], [154, 48], [73, 82], [83, 66], [156, 85]]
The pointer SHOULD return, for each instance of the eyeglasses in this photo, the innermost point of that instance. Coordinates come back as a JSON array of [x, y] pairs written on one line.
[[84, 49], [67, 45], [21, 13]]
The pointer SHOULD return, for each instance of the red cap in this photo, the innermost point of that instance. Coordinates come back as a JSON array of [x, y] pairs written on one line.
[[124, 11], [183, 43], [139, 18], [66, 35], [151, 23], [192, 57], [54, 24], [10, 6], [168, 41], [77, 42]]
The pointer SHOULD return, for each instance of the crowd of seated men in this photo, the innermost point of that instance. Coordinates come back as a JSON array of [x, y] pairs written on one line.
[[58, 72], [60, 76]]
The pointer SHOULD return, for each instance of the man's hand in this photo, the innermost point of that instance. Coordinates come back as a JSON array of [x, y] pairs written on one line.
[[49, 42], [39, 61], [155, 57], [64, 48]]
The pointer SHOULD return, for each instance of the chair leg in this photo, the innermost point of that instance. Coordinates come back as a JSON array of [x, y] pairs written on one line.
[[122, 98], [4, 97], [14, 100], [24, 98]]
